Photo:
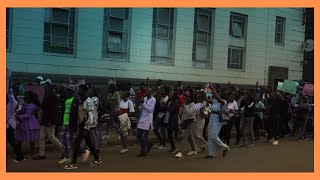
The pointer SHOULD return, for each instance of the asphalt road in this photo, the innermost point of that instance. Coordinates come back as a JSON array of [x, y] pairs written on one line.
[[289, 156]]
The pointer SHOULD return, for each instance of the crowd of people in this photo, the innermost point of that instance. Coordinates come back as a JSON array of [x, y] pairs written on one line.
[[77, 119]]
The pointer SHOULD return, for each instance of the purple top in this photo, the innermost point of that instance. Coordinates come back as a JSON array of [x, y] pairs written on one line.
[[28, 119], [145, 121], [11, 113]]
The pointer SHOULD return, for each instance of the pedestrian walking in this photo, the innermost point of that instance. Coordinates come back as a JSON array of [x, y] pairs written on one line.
[[218, 105], [89, 122], [188, 115], [145, 123]]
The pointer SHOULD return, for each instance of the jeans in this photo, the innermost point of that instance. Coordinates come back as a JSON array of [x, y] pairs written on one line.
[[142, 136], [302, 127], [247, 122], [275, 127], [66, 137], [12, 142], [92, 133], [160, 130], [48, 131], [234, 121], [83, 134], [214, 128], [171, 132], [257, 124], [124, 140]]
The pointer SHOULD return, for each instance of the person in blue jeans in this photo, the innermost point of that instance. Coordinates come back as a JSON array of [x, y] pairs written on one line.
[[145, 123]]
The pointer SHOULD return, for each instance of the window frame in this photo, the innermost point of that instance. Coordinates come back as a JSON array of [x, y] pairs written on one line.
[[243, 25], [282, 21], [9, 30], [171, 28], [241, 62], [107, 30], [75, 26], [209, 37]]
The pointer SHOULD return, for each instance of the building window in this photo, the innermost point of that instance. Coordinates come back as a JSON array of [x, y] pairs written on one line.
[[162, 35], [238, 25], [59, 31], [202, 37], [235, 57], [280, 30], [115, 34], [8, 28]]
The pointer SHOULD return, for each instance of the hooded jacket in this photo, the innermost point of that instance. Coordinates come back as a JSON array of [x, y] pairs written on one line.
[[90, 106]]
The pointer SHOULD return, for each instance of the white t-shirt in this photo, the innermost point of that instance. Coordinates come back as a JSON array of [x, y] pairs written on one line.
[[125, 105], [232, 107]]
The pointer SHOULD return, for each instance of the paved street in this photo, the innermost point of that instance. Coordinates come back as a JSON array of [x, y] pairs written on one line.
[[288, 156]]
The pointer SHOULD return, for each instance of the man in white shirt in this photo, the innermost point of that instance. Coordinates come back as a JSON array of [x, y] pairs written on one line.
[[145, 123]]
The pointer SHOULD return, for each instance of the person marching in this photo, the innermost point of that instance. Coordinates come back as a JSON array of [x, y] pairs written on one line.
[[90, 106]]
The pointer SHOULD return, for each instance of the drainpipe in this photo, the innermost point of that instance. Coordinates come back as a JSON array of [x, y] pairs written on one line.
[[266, 50]]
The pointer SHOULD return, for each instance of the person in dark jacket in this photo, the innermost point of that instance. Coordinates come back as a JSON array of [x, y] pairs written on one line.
[[50, 107], [247, 106], [277, 109], [171, 118]]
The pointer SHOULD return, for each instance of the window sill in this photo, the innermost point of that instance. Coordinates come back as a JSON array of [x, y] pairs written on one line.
[[201, 67], [279, 44], [161, 63], [236, 70], [59, 55], [115, 59], [237, 37]]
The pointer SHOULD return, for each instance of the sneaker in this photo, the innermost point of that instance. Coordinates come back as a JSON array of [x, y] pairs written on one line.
[[162, 147], [19, 161], [172, 150], [122, 151], [71, 166], [209, 157], [179, 155], [64, 160], [95, 163], [39, 157], [192, 153], [141, 154], [275, 143], [85, 156], [149, 147], [225, 152], [251, 145]]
